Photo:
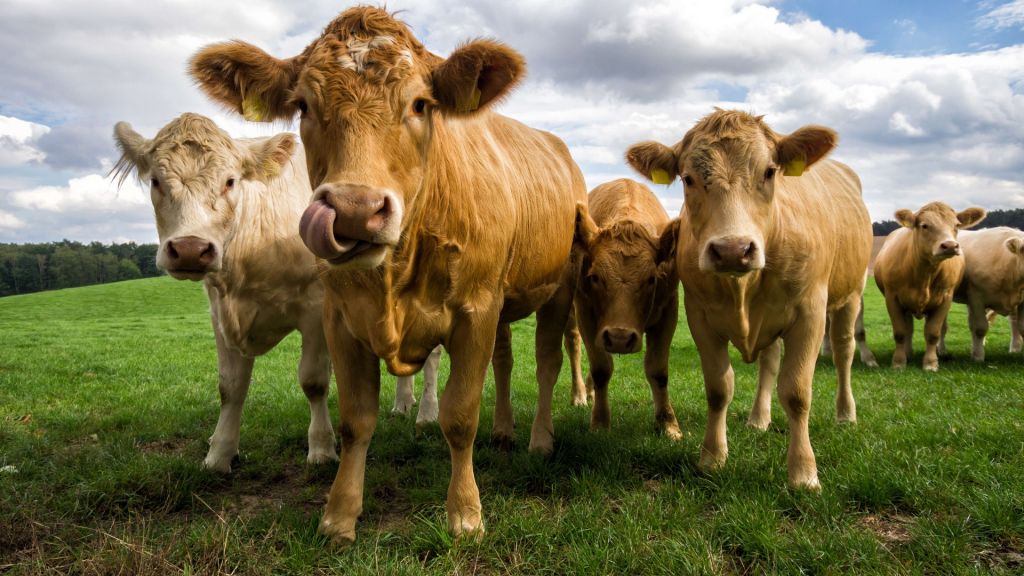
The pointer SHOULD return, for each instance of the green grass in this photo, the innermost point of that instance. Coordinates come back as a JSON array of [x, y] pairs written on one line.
[[108, 393]]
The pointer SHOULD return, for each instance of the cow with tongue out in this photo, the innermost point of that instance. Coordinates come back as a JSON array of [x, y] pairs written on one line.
[[437, 221]]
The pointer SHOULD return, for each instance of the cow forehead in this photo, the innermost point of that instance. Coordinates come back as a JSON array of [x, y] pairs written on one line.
[[726, 140], [937, 212], [193, 148]]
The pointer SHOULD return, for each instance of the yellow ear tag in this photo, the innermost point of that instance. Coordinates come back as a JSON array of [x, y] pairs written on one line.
[[473, 103], [795, 167], [659, 176], [254, 109]]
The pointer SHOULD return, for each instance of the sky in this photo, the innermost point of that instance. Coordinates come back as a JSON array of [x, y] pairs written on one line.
[[927, 96]]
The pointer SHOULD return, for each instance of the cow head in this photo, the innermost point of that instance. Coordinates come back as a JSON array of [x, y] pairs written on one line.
[[626, 267], [730, 163], [935, 227], [372, 100], [195, 172]]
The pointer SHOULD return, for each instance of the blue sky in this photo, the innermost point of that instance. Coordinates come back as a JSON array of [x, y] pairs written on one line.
[[928, 97]]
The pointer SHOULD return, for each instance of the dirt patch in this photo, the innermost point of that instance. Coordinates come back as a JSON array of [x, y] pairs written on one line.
[[892, 530], [173, 446]]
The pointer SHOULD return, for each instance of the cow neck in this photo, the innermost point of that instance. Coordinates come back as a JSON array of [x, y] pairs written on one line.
[[416, 280], [743, 290]]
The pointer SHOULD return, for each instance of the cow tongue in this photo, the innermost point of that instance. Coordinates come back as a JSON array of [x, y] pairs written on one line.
[[317, 231]]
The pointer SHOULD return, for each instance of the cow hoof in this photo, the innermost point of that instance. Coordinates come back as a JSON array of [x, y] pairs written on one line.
[[402, 409], [466, 527], [220, 465], [899, 365], [321, 457], [673, 433], [542, 447], [759, 424], [808, 485], [503, 442], [931, 367], [340, 534], [710, 462], [579, 400], [846, 418], [872, 363]]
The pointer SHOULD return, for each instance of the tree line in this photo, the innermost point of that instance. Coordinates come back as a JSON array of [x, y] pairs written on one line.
[[26, 268], [1012, 218]]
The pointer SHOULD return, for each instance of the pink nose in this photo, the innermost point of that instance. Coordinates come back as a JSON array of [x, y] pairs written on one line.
[[344, 218], [189, 254], [620, 340], [732, 254], [950, 246]]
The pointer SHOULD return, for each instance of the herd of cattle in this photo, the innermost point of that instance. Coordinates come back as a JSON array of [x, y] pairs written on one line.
[[413, 217]]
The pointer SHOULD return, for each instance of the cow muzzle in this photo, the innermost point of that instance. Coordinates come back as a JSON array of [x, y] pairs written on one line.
[[189, 257], [732, 255], [948, 249], [347, 222], [620, 340]]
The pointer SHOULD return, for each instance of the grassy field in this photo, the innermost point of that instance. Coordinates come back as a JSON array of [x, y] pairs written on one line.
[[108, 393]]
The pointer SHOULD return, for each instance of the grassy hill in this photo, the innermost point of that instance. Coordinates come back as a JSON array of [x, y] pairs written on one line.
[[108, 393]]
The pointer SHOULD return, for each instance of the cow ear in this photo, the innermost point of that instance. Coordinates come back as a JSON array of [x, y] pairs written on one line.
[[266, 157], [906, 218], [478, 74], [654, 161], [803, 148], [586, 228], [667, 242], [1015, 244], [970, 216], [134, 153], [245, 79]]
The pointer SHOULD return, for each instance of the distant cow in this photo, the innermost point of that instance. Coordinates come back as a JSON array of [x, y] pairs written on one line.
[[436, 221], [764, 253], [993, 281], [628, 288], [917, 269], [227, 213]]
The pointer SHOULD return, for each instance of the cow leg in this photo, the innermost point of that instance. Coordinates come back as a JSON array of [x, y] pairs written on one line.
[[795, 378], [978, 321], [842, 335], [932, 332], [941, 348], [357, 374], [901, 332], [552, 318], [866, 355], [428, 400], [767, 376], [659, 343], [501, 433], [470, 349], [315, 377], [235, 372], [1016, 328], [572, 346], [826, 344], [718, 387], [601, 368], [405, 395]]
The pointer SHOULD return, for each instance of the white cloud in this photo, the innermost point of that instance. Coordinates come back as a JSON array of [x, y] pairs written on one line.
[[10, 221], [92, 193], [18, 141], [1009, 15]]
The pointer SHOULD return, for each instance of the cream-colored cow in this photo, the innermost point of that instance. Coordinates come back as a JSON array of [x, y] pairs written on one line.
[[227, 213], [993, 282], [917, 269]]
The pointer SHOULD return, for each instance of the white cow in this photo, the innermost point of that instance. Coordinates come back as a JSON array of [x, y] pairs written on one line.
[[993, 281], [227, 213]]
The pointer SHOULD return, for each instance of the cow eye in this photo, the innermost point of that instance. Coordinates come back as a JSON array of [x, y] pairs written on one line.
[[154, 183], [302, 106], [769, 173], [688, 180], [229, 184], [650, 281], [419, 106], [924, 226]]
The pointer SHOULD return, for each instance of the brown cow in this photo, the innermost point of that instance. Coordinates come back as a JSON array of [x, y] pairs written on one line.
[[993, 281], [437, 221], [628, 288], [763, 256], [917, 270]]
